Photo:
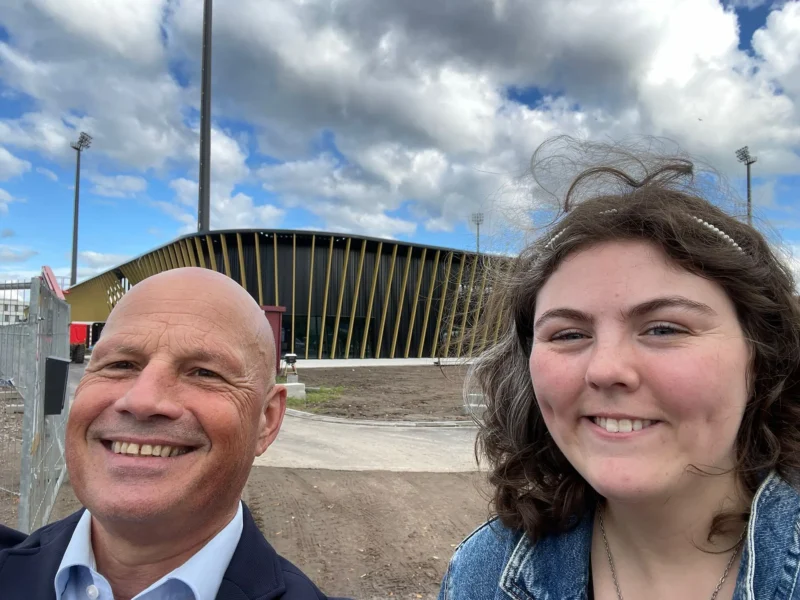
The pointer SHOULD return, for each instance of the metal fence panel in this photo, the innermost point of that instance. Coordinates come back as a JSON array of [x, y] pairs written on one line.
[[14, 334], [39, 442]]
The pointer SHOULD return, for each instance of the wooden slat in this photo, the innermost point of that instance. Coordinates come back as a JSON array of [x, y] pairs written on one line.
[[325, 300], [477, 315], [401, 301], [294, 279], [386, 302], [242, 277], [455, 303], [310, 296], [441, 306], [225, 261], [341, 298], [428, 303], [465, 311], [256, 235], [211, 256], [275, 270], [199, 247], [371, 298], [355, 299], [190, 251], [414, 304]]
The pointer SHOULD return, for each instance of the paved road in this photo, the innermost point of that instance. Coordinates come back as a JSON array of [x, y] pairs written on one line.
[[307, 444]]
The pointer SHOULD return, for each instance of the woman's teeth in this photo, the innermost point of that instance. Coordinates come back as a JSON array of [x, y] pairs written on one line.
[[622, 425], [147, 450]]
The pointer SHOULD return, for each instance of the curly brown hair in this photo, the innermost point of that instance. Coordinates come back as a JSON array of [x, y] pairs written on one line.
[[535, 488]]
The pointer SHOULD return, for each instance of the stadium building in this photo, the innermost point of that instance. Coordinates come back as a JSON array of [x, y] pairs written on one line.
[[343, 296]]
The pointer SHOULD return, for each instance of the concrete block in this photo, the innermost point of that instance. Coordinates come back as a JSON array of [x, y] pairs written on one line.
[[295, 390], [292, 378], [474, 410], [14, 409]]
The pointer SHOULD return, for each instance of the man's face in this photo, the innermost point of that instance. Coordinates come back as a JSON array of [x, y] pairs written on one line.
[[171, 411]]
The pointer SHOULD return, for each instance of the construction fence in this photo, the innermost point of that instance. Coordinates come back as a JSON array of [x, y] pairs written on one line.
[[34, 325]]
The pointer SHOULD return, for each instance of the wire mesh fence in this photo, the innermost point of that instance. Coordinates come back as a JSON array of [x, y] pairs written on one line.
[[31, 444]]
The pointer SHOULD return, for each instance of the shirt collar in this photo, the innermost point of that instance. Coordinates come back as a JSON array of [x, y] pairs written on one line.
[[203, 572]]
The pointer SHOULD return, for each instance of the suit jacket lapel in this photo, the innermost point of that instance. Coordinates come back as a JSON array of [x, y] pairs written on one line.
[[29, 570], [254, 570]]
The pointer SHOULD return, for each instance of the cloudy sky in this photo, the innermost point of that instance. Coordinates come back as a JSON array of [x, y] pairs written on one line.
[[390, 119]]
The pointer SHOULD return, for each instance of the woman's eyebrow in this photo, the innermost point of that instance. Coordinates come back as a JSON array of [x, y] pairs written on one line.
[[635, 311]]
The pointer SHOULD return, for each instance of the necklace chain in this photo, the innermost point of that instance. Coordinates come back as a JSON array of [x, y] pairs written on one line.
[[614, 571]]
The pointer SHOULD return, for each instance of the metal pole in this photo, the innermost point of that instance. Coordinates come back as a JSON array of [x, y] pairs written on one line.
[[203, 201], [749, 197], [479, 239], [74, 273]]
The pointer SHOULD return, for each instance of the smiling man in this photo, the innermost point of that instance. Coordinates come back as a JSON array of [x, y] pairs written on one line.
[[178, 399]]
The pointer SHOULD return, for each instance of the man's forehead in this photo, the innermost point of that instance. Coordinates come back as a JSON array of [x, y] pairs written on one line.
[[177, 338]]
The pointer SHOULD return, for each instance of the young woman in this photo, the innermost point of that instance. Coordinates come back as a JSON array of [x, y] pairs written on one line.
[[643, 420]]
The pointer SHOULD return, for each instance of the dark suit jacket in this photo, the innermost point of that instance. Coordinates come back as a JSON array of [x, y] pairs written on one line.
[[28, 565]]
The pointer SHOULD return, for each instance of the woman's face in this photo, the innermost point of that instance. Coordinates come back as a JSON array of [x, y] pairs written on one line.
[[639, 369]]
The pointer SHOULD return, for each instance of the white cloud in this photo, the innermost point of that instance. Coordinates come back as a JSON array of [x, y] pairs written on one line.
[[376, 107], [13, 254], [101, 261], [11, 166], [5, 200], [47, 173], [117, 186]]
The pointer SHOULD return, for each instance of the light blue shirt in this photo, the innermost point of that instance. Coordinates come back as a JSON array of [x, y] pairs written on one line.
[[198, 578]]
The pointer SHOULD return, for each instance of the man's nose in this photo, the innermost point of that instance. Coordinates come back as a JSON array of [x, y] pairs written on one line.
[[612, 364], [153, 394]]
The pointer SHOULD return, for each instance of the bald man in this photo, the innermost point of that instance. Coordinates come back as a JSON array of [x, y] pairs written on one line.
[[177, 400]]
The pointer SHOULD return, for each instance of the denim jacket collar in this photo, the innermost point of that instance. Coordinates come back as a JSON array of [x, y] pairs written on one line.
[[769, 569]]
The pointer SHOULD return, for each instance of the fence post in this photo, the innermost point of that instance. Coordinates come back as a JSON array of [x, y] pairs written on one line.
[[31, 416]]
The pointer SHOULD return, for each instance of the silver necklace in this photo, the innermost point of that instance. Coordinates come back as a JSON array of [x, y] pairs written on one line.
[[614, 571]]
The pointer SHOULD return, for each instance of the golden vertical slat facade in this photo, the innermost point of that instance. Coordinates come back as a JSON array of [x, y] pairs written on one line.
[[455, 304], [325, 299], [294, 282], [211, 256], [386, 303], [275, 267], [241, 260], [258, 269], [446, 284], [428, 304], [198, 245], [371, 299], [225, 261], [415, 301], [398, 313], [310, 296], [355, 299], [342, 287], [465, 309], [400, 303], [477, 313]]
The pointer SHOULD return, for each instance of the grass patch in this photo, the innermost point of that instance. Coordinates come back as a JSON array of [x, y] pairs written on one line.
[[314, 398]]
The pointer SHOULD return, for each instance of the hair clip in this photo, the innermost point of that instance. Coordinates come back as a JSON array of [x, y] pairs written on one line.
[[719, 232]]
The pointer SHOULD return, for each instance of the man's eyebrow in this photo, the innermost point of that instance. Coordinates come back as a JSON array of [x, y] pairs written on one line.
[[639, 310]]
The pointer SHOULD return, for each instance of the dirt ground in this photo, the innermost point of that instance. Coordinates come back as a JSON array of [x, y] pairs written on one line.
[[363, 535], [420, 393], [10, 446]]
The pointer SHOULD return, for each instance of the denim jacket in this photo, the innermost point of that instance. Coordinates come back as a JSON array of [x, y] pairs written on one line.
[[496, 563]]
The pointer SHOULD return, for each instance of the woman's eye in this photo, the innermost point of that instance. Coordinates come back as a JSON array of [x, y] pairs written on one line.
[[662, 330], [567, 336]]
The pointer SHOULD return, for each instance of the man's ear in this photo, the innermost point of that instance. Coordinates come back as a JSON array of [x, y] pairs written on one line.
[[271, 418]]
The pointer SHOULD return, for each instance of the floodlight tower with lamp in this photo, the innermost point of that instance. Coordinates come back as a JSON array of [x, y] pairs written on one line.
[[477, 219], [744, 156], [84, 141]]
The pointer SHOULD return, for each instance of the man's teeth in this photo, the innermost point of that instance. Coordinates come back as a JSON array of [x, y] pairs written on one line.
[[147, 450], [622, 425]]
